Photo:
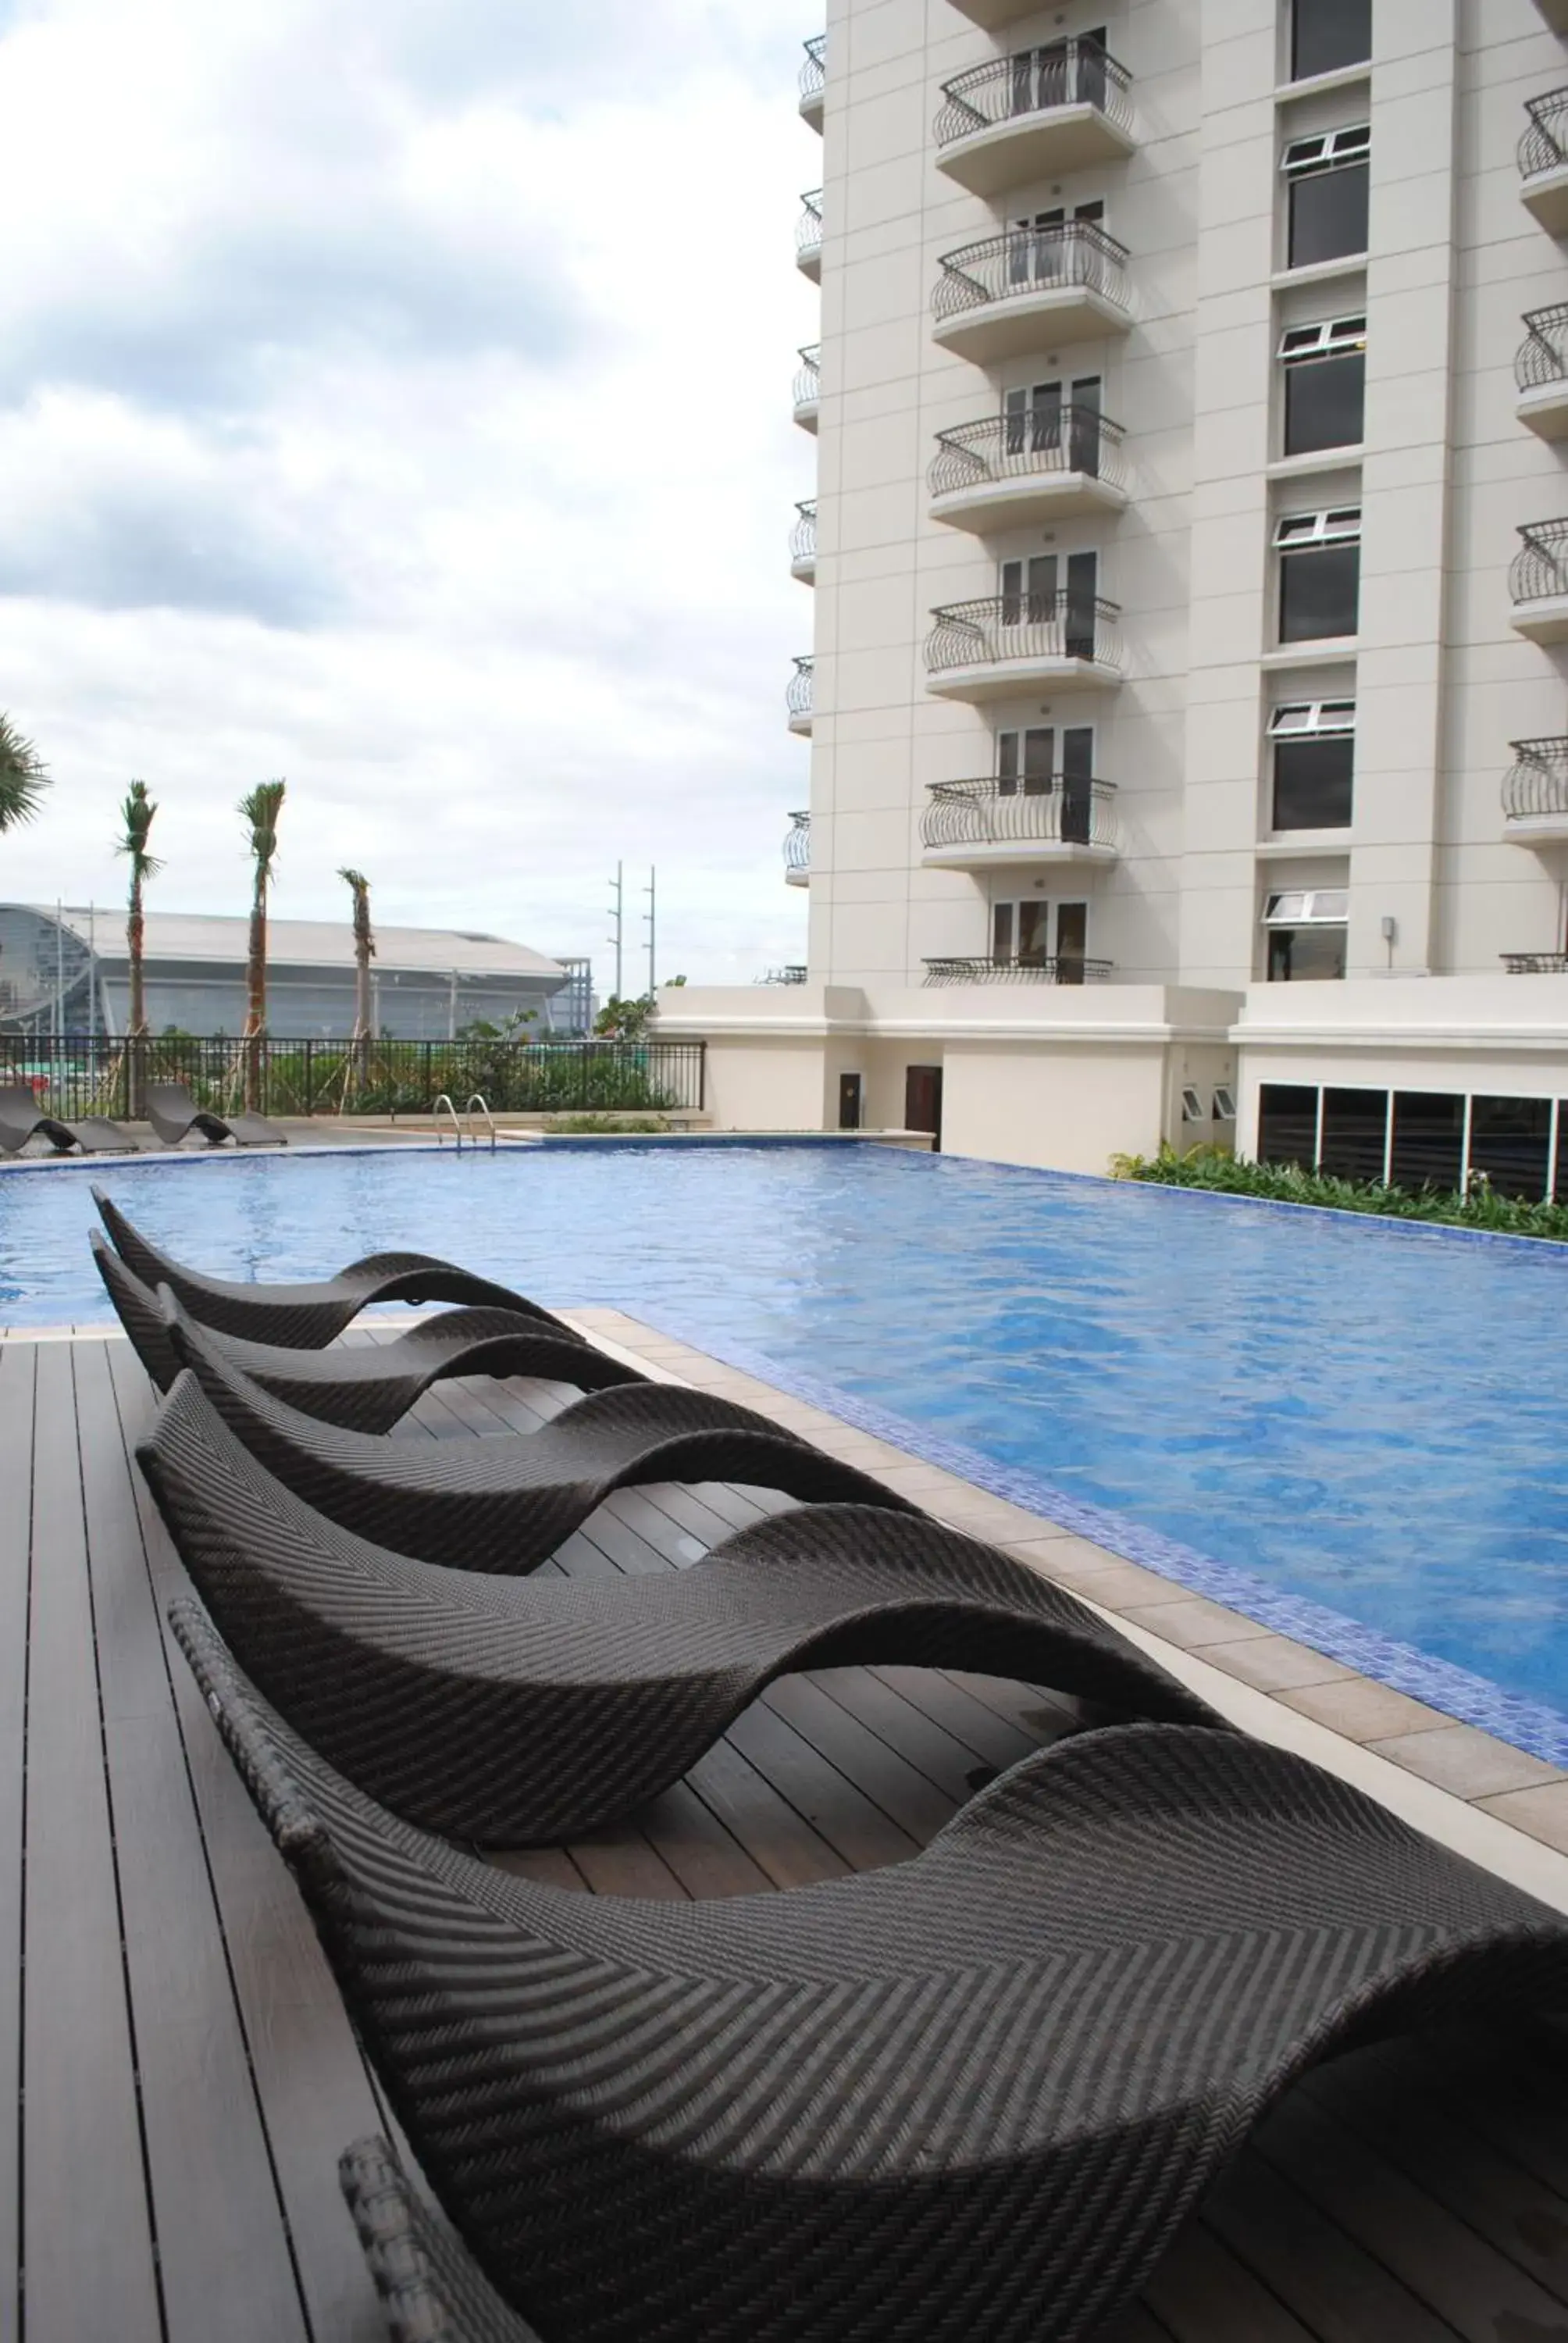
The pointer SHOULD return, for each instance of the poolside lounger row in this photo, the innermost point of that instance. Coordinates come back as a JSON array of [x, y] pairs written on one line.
[[972, 2096], [21, 1119], [171, 1111]]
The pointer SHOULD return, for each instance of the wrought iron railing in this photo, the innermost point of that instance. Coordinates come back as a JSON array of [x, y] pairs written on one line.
[[1543, 357], [1539, 571], [808, 226], [1537, 781], [1027, 968], [1030, 261], [814, 72], [1075, 72], [94, 1073], [802, 685], [798, 844], [1554, 963], [808, 378], [1040, 810], [803, 536], [1042, 440], [794, 973], [1545, 145], [1006, 626]]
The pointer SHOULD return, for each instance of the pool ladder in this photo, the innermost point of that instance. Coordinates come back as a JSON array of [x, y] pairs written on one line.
[[476, 1099]]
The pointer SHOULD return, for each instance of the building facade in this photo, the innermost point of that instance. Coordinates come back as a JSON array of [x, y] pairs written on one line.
[[1189, 578]]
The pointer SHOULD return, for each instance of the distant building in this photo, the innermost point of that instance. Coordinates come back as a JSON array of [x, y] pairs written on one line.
[[571, 1009], [67, 971]]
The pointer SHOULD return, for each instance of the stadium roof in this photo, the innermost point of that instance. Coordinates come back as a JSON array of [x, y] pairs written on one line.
[[305, 943]]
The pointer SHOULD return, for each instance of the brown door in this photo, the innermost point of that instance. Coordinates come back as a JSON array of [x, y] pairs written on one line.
[[923, 1101]]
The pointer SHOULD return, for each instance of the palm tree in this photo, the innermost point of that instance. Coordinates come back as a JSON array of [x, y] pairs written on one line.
[[359, 886], [24, 777], [260, 811], [136, 817]]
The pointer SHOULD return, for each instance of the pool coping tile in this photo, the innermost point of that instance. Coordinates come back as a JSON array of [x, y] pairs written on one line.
[[1470, 1764], [1543, 1812]]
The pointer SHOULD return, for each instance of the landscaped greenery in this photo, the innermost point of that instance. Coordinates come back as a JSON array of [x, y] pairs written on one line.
[[605, 1126], [1286, 1183]]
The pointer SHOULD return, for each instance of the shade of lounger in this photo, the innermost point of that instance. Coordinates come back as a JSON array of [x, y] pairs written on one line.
[[507, 1504], [174, 1114], [306, 1317], [969, 2095], [517, 1711], [371, 1387]]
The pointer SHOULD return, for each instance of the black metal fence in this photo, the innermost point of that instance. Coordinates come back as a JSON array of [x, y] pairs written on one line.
[[79, 1074]]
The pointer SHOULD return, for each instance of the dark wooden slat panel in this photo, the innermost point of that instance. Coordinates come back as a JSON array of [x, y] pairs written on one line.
[[915, 1804], [86, 2238], [702, 1855], [618, 1860], [17, 1364], [856, 1828], [993, 1738], [1204, 2295], [915, 1734], [1042, 1714], [777, 1837]]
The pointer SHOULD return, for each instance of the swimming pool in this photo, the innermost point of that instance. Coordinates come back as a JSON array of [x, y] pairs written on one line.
[[1351, 1430]]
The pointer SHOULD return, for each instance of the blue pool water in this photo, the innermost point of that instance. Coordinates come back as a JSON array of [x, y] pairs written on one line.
[[1365, 1418]]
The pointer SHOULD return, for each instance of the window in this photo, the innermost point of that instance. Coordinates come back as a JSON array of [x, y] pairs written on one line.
[[1065, 72], [1325, 384], [1314, 764], [1428, 1149], [1306, 934], [1319, 573], [1353, 1140], [1327, 179], [1287, 1124], [1026, 765], [1509, 1138], [1024, 933], [1041, 419], [1224, 1104], [1191, 1106], [1039, 250], [1044, 591], [1328, 35]]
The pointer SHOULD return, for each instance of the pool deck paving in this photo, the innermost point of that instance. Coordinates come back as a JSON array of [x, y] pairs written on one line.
[[176, 2072]]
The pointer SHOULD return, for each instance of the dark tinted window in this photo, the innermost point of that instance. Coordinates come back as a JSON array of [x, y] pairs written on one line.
[[1306, 955], [1428, 1139], [1355, 1127], [1508, 1140], [1313, 782], [1328, 34], [1325, 403], [1328, 214], [1320, 592], [1287, 1124]]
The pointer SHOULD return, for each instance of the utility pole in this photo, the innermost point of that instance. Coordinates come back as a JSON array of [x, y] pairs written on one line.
[[651, 916], [615, 912]]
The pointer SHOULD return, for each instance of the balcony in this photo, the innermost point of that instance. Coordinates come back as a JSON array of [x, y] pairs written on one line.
[[1033, 968], [814, 80], [1538, 581], [1031, 290], [1543, 162], [793, 972], [798, 851], [798, 698], [1013, 643], [1008, 469], [1535, 793], [809, 236], [992, 13], [1045, 819], [1551, 963], [1062, 108], [808, 388], [1540, 371], [803, 544]]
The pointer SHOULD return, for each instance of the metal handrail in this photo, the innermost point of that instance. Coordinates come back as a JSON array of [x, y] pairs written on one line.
[[476, 1099], [1030, 261], [445, 1100], [808, 226], [1038, 810], [808, 378], [803, 536], [1074, 72], [802, 686], [1539, 571], [1551, 963], [795, 973], [1545, 145], [797, 843], [1006, 626], [1031, 969], [1537, 781], [1543, 358], [814, 72], [1067, 438]]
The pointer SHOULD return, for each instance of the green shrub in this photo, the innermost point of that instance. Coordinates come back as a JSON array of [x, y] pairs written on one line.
[[1481, 1207], [611, 1126]]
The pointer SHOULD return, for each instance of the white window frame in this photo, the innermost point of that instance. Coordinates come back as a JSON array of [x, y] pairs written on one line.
[[1224, 1103], [1329, 150], [1334, 338], [1191, 1104], [1302, 532], [1312, 719], [1322, 906]]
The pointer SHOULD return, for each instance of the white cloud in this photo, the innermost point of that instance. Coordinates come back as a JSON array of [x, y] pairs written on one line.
[[396, 398]]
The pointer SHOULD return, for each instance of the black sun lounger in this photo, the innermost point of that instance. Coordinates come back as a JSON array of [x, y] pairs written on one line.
[[507, 1504], [306, 1317], [371, 1387], [20, 1121], [517, 1711], [174, 1115], [968, 2095]]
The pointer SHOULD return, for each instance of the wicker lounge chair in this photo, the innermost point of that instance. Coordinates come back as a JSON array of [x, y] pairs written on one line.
[[306, 1317], [431, 2290], [515, 1712], [174, 1115], [507, 1504], [370, 1387], [21, 1120], [968, 2095]]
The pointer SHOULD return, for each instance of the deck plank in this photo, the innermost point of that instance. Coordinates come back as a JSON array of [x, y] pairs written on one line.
[[17, 1364]]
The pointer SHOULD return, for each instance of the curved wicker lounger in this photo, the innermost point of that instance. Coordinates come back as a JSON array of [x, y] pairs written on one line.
[[969, 2095], [370, 1387], [306, 1317], [431, 2290], [515, 1712], [507, 1504], [174, 1114], [21, 1120]]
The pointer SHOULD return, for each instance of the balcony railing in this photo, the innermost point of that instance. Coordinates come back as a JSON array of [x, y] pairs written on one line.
[[1030, 261], [1545, 145], [1539, 571], [808, 378], [1006, 626], [1014, 446], [802, 683], [1543, 357], [809, 227], [798, 844], [1554, 963], [814, 72], [1045, 809], [1075, 72], [1029, 968], [793, 973], [803, 536], [1536, 785]]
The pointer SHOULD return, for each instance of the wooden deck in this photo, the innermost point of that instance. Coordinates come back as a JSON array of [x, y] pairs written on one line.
[[185, 2079]]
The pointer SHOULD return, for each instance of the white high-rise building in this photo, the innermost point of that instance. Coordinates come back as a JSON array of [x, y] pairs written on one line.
[[1187, 734]]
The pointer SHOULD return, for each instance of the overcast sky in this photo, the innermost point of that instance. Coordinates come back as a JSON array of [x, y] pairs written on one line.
[[394, 396]]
